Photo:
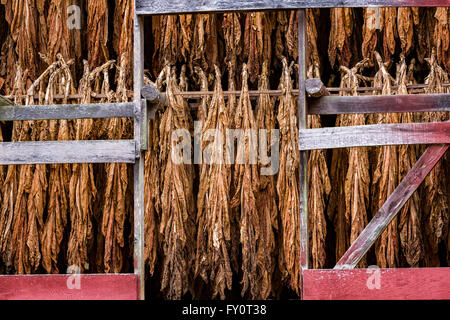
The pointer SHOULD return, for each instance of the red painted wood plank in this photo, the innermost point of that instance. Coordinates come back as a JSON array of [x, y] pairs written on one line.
[[377, 284], [64, 287], [380, 104], [391, 207]]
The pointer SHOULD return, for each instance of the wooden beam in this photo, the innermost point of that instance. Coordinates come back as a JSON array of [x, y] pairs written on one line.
[[67, 111], [141, 136], [380, 104], [153, 95], [361, 284], [302, 122], [315, 88], [52, 152], [5, 102], [375, 135], [151, 7], [391, 207], [155, 98], [64, 287]]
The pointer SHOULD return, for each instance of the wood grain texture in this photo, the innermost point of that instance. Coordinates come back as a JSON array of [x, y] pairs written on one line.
[[5, 101], [391, 207], [153, 95], [375, 135], [395, 284], [150, 7], [315, 88], [302, 122], [55, 287], [67, 111], [51, 152], [141, 136], [380, 104]]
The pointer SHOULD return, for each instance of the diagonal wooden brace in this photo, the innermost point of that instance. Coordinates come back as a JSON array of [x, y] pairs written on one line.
[[391, 207]]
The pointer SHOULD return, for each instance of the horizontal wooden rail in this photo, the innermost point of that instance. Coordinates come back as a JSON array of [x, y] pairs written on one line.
[[391, 207], [67, 111], [375, 135], [52, 152], [386, 284], [69, 287], [151, 7], [380, 104]]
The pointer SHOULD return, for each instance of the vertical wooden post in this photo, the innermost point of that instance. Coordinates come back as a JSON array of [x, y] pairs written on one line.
[[302, 122], [139, 131]]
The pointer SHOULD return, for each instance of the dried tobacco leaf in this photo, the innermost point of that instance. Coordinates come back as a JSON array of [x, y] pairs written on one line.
[[287, 183], [339, 47], [177, 225], [409, 223], [442, 36], [213, 217], [266, 204], [357, 180], [385, 176], [436, 189], [319, 190]]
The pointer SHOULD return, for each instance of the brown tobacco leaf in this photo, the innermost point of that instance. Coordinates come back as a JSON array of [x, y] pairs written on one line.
[[213, 203], [341, 32], [313, 16], [406, 19], [8, 62], [123, 35], [425, 33], [436, 188], [357, 180], [257, 41], [246, 184], [97, 32], [385, 177], [410, 216], [82, 189], [319, 190], [232, 35], [177, 225], [152, 183], [287, 183], [114, 206], [205, 42], [442, 36], [24, 25], [60, 38], [389, 23], [266, 196], [372, 16]]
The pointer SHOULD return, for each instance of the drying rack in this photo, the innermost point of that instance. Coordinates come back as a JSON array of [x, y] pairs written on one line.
[[343, 282]]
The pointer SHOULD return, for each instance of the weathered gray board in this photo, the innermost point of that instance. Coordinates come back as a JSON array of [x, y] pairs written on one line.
[[375, 135], [67, 111], [380, 104], [53, 152], [151, 7]]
